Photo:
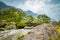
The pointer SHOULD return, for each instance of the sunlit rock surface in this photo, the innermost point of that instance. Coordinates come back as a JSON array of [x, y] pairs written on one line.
[[42, 32], [12, 34]]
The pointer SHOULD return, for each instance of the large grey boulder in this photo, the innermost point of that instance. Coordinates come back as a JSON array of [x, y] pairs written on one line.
[[42, 32]]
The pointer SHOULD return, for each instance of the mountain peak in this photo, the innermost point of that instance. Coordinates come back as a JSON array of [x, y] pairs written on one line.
[[28, 12], [3, 5]]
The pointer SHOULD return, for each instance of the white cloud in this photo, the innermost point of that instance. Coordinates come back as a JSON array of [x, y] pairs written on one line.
[[41, 7], [34, 5]]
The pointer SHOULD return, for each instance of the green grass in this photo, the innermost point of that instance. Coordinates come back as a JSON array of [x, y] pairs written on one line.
[[21, 36], [58, 29], [2, 29]]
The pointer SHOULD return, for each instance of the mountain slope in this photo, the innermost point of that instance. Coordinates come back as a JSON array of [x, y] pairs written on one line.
[[4, 6], [30, 13]]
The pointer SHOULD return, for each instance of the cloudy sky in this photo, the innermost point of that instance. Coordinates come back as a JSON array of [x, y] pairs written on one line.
[[49, 7]]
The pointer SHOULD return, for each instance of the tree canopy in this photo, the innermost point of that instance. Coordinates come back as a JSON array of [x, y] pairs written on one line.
[[44, 18]]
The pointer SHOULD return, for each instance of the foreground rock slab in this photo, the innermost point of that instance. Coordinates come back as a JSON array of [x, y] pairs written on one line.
[[42, 32], [12, 34]]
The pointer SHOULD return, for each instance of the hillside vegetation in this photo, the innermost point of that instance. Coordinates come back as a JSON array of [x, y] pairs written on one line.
[[19, 18]]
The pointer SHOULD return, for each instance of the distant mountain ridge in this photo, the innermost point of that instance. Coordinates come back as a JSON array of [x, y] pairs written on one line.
[[4, 6], [31, 13]]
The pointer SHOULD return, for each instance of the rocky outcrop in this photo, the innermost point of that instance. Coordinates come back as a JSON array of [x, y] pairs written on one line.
[[2, 23], [42, 32], [12, 25], [12, 34]]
